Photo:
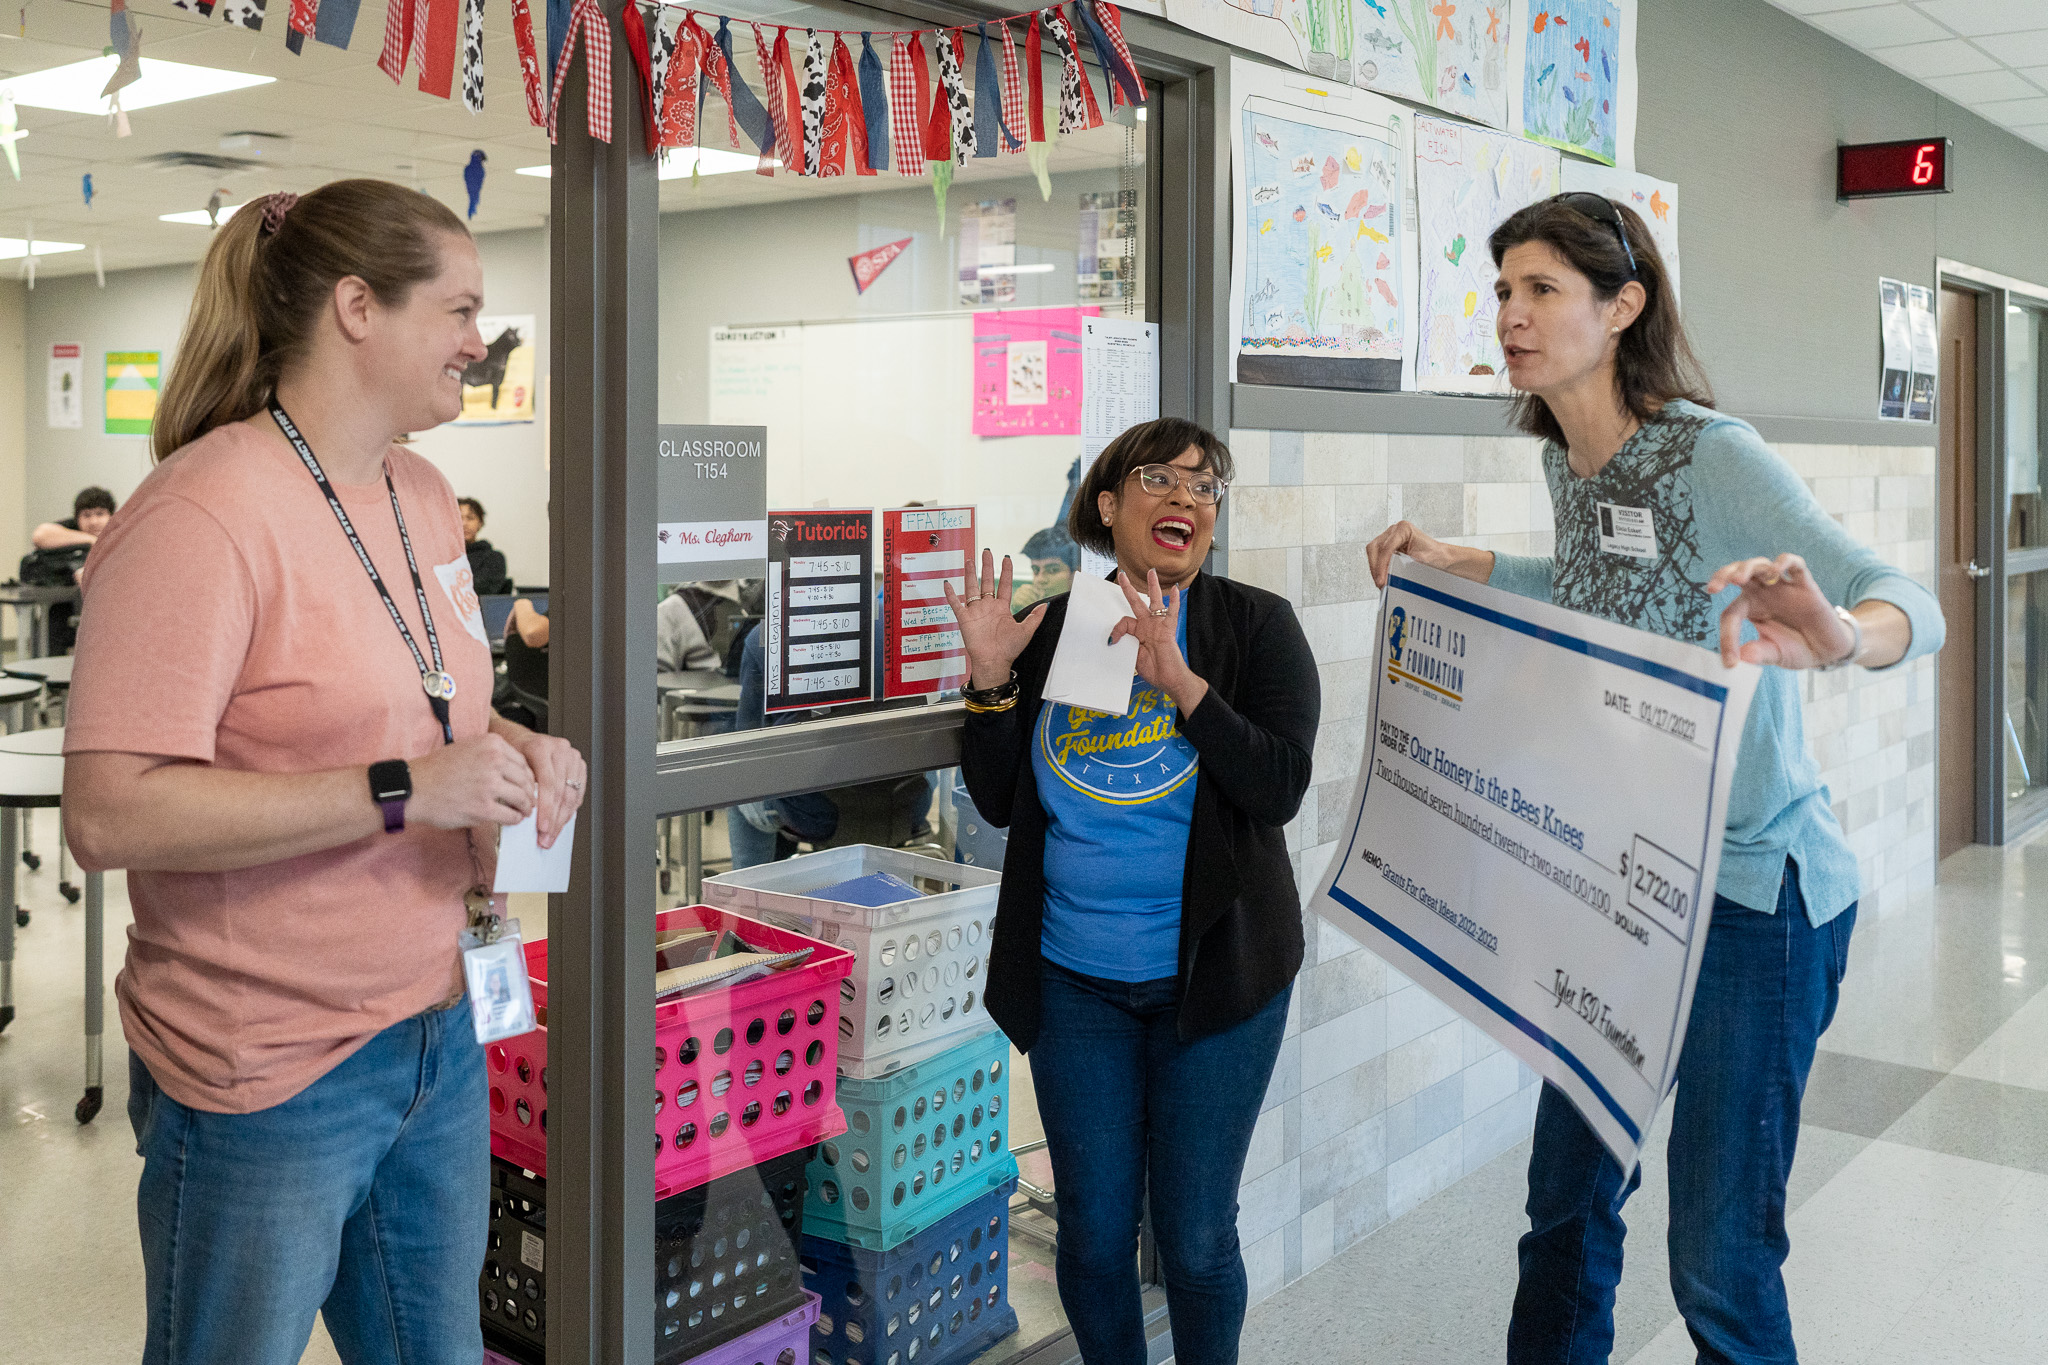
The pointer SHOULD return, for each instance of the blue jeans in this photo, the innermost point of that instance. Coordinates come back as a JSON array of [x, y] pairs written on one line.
[[1120, 1093], [365, 1197], [1767, 991]]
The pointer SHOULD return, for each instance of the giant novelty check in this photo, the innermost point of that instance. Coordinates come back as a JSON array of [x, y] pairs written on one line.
[[1535, 833]]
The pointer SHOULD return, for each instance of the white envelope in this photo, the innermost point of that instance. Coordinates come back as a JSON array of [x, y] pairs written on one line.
[[1087, 670], [523, 865]]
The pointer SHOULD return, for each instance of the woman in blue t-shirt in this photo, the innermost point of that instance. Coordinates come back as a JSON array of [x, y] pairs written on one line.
[[1148, 931], [1724, 545]]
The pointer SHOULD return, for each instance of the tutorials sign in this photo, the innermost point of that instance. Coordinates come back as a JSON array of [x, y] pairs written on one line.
[[132, 383]]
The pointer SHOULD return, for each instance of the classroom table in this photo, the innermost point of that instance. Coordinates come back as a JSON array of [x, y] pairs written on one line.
[[36, 602], [51, 669]]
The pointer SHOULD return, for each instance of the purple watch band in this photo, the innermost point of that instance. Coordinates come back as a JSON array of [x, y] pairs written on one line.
[[394, 815]]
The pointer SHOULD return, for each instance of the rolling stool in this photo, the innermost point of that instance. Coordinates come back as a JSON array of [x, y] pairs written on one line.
[[35, 781]]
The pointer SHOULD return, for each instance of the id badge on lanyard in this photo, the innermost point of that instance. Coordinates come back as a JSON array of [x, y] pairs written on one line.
[[494, 971]]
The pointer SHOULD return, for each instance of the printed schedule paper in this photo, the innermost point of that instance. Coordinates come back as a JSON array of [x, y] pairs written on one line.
[[1536, 830]]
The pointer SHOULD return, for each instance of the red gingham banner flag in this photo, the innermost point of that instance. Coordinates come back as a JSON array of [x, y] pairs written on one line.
[[401, 18], [529, 64], [778, 110], [1113, 25], [906, 87], [597, 42], [1014, 121]]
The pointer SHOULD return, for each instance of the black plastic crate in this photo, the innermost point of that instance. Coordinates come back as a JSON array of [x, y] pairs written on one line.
[[725, 1259]]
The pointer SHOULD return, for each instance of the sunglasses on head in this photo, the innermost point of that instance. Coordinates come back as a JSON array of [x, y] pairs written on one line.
[[1601, 210]]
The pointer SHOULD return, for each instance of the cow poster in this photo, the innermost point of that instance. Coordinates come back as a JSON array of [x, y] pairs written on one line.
[[499, 388]]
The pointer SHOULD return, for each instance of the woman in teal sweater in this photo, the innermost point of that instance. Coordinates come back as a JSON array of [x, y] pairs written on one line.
[[1736, 553]]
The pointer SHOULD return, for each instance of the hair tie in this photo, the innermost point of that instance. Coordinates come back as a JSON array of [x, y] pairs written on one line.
[[275, 207]]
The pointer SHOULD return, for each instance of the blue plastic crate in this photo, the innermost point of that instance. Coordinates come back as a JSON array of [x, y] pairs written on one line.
[[942, 1296], [920, 1142]]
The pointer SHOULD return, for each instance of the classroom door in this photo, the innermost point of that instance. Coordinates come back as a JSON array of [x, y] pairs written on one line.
[[1959, 570]]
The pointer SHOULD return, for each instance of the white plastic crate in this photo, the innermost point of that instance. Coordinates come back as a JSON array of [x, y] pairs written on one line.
[[921, 963]]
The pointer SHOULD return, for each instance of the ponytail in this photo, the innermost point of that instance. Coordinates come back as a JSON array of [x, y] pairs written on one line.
[[271, 269]]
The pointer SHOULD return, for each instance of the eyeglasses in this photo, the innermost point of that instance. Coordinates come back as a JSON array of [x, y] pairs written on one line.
[[1161, 479], [1601, 209]]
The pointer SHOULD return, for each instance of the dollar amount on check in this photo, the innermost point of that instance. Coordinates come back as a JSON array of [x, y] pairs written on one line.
[[1536, 829]]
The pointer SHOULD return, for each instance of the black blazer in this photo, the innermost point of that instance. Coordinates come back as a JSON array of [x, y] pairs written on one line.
[[1255, 732]]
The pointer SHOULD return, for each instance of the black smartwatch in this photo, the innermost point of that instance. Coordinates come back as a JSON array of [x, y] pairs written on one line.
[[390, 787]]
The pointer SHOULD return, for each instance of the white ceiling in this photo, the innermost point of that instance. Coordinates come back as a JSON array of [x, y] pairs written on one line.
[[344, 118], [1991, 56]]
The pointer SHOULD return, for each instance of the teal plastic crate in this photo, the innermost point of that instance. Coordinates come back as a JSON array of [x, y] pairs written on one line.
[[919, 1143]]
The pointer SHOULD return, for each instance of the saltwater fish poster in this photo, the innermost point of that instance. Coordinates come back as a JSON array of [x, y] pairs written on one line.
[[1322, 273], [1655, 200], [1572, 89], [1453, 54], [1467, 182]]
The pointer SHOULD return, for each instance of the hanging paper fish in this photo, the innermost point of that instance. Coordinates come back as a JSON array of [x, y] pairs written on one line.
[[1584, 47], [126, 40], [87, 187], [213, 204], [1455, 252], [473, 179], [1329, 172]]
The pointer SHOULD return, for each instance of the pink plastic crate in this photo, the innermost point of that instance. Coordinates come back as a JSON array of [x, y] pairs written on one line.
[[741, 1074]]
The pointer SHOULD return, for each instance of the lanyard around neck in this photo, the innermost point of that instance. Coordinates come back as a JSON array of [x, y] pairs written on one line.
[[435, 681]]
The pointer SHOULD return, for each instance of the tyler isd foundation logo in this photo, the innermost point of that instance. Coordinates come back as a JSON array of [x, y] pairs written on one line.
[[1426, 656]]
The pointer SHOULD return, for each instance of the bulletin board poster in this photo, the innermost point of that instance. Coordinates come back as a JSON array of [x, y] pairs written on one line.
[[1655, 202], [67, 385], [924, 549], [133, 378], [499, 388], [1027, 371], [1322, 269], [1467, 182], [821, 609], [1573, 87]]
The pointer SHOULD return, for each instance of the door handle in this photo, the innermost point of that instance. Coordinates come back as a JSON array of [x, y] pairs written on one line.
[[1976, 570]]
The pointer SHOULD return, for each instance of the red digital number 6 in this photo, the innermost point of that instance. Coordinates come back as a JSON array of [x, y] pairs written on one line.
[[1923, 166]]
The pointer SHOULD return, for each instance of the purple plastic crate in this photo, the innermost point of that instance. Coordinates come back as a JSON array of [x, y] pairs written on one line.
[[784, 1341]]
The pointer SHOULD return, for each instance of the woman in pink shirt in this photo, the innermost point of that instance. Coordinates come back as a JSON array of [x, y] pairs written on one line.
[[300, 769]]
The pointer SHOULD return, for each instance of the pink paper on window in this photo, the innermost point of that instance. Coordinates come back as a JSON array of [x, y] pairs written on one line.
[[1027, 371]]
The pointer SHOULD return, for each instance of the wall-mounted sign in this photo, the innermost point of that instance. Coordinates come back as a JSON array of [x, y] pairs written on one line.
[[499, 388], [1880, 170], [132, 380], [711, 496], [821, 609], [67, 379], [923, 550]]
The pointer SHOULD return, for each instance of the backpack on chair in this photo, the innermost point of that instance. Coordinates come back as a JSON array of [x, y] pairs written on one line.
[[53, 568]]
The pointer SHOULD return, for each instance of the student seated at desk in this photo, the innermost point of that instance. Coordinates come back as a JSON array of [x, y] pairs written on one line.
[[522, 693], [60, 550], [694, 624], [487, 571]]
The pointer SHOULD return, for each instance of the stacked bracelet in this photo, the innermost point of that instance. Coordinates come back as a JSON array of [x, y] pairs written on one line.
[[985, 700]]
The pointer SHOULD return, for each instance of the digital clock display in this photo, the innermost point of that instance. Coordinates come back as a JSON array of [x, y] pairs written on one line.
[[1876, 170]]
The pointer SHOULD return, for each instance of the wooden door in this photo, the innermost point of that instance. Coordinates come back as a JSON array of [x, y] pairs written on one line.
[[1957, 479]]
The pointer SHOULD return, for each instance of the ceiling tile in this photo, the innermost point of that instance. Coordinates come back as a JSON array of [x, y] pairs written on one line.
[[2037, 74], [1983, 87], [1921, 60], [1804, 8], [1883, 26], [2029, 48], [2013, 113], [1973, 17]]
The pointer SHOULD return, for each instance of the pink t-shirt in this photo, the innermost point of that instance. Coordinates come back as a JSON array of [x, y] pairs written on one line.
[[227, 620]]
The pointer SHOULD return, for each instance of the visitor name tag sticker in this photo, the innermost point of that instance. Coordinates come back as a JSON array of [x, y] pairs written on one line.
[[1627, 531]]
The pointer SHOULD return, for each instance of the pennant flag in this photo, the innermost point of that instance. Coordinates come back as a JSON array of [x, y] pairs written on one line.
[[867, 266], [588, 19], [906, 99], [1013, 93], [953, 76], [529, 58], [473, 56], [635, 25], [473, 179], [874, 101], [814, 103], [1113, 27], [746, 111], [335, 25], [988, 96], [778, 108]]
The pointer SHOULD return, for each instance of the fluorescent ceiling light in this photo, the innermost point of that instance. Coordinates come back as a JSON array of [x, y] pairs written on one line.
[[197, 217], [14, 248], [676, 166], [1043, 268], [75, 89]]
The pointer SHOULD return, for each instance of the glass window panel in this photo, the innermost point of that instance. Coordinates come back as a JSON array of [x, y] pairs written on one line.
[[839, 317], [2026, 685], [2026, 527]]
